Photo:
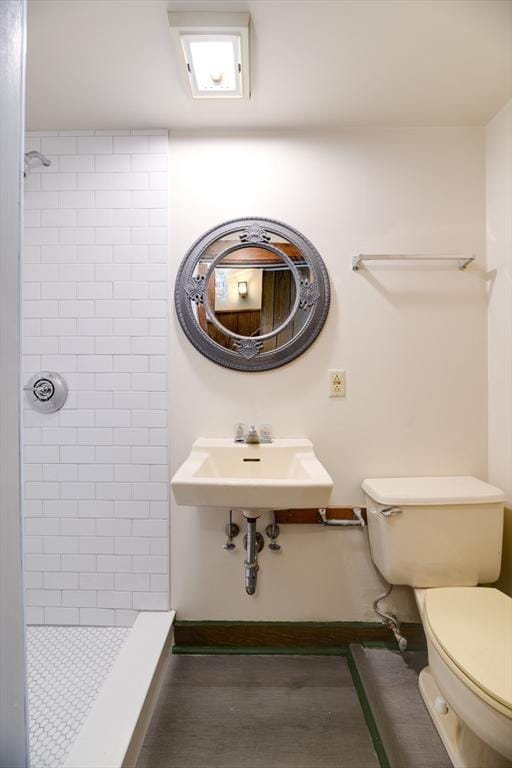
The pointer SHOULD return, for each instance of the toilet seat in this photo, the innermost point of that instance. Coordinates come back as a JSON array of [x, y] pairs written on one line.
[[471, 628]]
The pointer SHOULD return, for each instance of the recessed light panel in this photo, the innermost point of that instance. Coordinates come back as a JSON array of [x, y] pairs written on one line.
[[215, 49], [214, 64]]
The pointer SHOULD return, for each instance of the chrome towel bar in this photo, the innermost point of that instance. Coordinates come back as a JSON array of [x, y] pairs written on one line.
[[462, 261]]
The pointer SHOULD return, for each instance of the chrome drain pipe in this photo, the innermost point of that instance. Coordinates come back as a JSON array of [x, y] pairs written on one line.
[[251, 562]]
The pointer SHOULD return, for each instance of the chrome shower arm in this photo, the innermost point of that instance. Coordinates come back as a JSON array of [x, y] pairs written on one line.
[[34, 155]]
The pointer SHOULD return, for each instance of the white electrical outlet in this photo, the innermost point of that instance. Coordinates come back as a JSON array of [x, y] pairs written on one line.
[[336, 383]]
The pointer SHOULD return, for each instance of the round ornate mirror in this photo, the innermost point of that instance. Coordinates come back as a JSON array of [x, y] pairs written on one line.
[[252, 294]]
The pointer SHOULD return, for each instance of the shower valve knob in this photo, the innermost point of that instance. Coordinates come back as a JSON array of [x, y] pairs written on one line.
[[46, 391]]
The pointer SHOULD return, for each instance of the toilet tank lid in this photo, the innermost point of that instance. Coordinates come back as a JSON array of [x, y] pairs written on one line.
[[431, 490]]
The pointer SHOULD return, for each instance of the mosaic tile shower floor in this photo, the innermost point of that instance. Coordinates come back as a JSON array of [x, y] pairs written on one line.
[[66, 669]]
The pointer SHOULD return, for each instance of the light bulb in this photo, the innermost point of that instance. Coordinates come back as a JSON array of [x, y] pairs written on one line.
[[217, 76]]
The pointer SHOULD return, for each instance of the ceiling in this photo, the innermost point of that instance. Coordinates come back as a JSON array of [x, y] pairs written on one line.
[[314, 64]]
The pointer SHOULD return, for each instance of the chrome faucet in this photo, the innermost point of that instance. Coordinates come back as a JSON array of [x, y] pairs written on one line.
[[252, 437]]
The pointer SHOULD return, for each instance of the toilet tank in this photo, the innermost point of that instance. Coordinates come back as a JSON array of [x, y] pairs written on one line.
[[439, 532]]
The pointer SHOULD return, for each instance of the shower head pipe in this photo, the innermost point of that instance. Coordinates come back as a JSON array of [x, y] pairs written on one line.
[[33, 155]]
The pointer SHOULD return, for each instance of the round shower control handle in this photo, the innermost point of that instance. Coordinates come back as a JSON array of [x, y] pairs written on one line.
[[43, 389], [46, 391]]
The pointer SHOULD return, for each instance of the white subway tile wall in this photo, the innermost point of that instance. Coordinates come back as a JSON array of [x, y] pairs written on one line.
[[95, 309]]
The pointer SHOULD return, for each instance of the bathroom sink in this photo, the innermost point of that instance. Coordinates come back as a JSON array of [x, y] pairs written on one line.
[[284, 474]]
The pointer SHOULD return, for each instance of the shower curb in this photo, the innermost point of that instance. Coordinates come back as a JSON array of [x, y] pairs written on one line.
[[114, 730]]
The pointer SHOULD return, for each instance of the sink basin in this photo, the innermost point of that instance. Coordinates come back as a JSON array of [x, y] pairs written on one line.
[[284, 474]]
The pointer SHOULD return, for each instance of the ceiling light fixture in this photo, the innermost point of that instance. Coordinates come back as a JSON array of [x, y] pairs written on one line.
[[215, 49]]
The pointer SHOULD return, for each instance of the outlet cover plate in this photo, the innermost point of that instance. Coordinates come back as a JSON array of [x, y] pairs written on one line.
[[336, 383]]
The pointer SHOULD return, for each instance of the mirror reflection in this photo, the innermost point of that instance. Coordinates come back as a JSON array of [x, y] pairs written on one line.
[[251, 292]]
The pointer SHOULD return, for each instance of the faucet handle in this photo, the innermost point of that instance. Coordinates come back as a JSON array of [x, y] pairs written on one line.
[[240, 432], [266, 433]]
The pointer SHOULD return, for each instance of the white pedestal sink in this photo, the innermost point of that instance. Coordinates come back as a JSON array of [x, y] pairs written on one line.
[[284, 474]]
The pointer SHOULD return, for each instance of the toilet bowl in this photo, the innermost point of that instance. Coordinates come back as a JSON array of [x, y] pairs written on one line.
[[443, 536], [467, 686]]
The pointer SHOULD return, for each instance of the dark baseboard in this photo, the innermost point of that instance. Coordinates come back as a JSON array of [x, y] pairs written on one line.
[[282, 636]]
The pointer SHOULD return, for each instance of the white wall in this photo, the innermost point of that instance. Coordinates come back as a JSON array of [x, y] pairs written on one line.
[[412, 339], [499, 263], [95, 309]]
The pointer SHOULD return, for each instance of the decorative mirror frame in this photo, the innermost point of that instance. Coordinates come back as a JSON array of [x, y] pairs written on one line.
[[311, 295]]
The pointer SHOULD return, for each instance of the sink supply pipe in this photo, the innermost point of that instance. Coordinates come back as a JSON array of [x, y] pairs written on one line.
[[356, 522], [251, 562], [272, 530], [232, 530]]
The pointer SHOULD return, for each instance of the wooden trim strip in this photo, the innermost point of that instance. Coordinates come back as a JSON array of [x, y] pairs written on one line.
[[311, 516], [276, 634]]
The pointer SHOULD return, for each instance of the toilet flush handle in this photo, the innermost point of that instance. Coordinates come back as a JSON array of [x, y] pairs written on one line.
[[391, 511]]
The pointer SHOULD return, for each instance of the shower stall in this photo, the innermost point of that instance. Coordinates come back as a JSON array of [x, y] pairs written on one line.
[[94, 415], [66, 665], [84, 433]]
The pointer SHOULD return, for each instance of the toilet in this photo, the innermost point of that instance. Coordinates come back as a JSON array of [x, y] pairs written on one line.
[[443, 537]]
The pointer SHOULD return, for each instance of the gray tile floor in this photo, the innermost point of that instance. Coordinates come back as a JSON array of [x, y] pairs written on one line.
[[390, 680], [258, 712]]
